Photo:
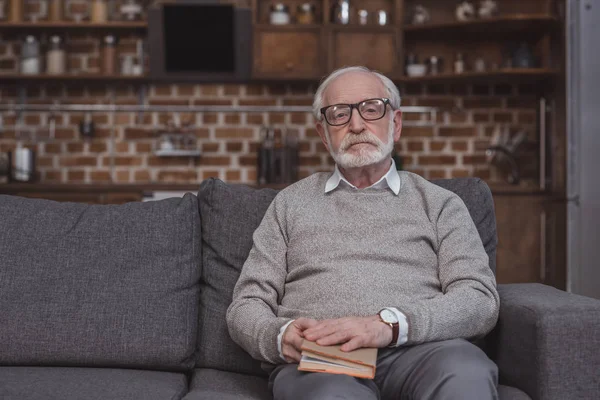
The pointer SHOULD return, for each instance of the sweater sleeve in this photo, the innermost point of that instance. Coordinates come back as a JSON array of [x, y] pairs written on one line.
[[468, 304], [251, 317]]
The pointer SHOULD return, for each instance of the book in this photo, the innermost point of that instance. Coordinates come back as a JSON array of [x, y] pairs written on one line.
[[359, 363]]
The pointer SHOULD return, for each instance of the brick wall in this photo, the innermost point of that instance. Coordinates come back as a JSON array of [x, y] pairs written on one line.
[[450, 145]]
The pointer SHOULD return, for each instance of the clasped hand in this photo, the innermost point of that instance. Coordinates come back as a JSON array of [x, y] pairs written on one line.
[[353, 332]]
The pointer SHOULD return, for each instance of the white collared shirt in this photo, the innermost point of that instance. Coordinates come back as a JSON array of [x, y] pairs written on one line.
[[390, 180]]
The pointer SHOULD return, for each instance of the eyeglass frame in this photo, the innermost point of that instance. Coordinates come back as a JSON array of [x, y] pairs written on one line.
[[386, 102]]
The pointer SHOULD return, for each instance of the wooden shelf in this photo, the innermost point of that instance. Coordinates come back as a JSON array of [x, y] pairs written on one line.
[[529, 74], [363, 28], [497, 25], [71, 77], [289, 27], [74, 25]]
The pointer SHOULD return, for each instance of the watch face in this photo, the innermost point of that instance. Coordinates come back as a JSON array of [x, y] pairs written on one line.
[[388, 316]]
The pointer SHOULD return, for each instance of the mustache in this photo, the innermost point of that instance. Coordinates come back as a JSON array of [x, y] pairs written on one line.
[[364, 137]]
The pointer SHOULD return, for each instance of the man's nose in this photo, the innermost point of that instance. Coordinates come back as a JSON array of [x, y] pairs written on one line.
[[357, 123]]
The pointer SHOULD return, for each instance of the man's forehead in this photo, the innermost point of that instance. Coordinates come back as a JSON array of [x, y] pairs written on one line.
[[353, 88]]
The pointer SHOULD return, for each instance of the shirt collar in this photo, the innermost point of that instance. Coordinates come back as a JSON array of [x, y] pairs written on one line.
[[390, 180]]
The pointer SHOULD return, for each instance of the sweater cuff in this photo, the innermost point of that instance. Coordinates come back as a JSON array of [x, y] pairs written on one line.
[[402, 326], [280, 339]]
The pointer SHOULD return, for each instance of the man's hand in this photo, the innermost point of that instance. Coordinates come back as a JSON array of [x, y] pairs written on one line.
[[354, 332], [291, 342]]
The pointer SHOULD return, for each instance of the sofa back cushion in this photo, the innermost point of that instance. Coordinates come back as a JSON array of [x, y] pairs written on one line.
[[230, 214], [99, 285]]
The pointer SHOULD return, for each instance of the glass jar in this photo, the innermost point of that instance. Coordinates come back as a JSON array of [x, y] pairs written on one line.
[[16, 11], [109, 55], [306, 14], [280, 14], [56, 57], [55, 11], [99, 11], [30, 56]]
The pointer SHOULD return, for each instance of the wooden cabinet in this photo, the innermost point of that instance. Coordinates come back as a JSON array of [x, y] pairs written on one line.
[[373, 49], [531, 243], [287, 54]]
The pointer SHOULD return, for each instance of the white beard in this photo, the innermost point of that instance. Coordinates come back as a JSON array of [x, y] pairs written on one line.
[[366, 156]]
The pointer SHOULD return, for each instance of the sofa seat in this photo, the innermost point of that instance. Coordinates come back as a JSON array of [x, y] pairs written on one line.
[[56, 383], [208, 384]]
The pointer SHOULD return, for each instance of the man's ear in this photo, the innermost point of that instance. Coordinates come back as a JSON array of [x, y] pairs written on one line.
[[397, 125], [321, 130]]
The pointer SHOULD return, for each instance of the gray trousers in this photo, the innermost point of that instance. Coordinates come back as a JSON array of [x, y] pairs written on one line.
[[449, 370]]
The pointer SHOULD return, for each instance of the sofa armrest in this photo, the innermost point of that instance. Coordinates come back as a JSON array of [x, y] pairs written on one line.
[[547, 342]]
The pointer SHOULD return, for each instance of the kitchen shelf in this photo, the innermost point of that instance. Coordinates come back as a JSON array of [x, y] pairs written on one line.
[[496, 25], [512, 74], [355, 28], [72, 77], [289, 27], [68, 25], [177, 153]]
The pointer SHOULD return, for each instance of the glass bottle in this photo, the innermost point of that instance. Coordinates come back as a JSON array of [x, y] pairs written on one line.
[[30, 56], [16, 10], [99, 12], [109, 55], [55, 11], [56, 57], [459, 64]]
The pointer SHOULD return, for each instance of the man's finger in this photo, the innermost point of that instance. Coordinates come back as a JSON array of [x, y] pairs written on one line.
[[335, 338], [354, 343], [305, 323], [291, 355]]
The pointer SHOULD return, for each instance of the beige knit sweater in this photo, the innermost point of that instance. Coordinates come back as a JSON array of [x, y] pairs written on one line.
[[352, 252]]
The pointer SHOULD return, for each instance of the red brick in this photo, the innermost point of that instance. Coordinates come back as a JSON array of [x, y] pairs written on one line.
[[254, 90], [297, 118], [298, 101], [216, 160], [439, 102], [76, 175], [437, 145], [277, 118], [257, 102], [233, 90], [474, 159], [458, 131], [212, 102], [234, 146], [417, 131], [201, 133], [277, 89], [232, 118], [52, 175], [122, 147], [254, 119], [527, 117], [310, 160], [248, 160], [177, 176], [210, 118], [210, 147], [209, 90], [482, 102], [137, 133], [211, 173], [142, 176], [233, 175], [52, 148], [436, 174], [76, 147], [459, 173], [122, 176], [44, 161], [143, 147], [437, 160], [503, 117], [185, 90], [162, 90], [79, 161], [481, 117], [458, 116], [123, 161], [64, 133], [227, 133], [155, 161], [460, 146], [414, 146], [169, 102]]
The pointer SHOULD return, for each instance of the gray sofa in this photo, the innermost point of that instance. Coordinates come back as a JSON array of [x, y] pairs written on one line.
[[129, 301]]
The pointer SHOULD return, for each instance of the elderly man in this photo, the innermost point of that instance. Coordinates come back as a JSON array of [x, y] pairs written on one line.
[[368, 257]]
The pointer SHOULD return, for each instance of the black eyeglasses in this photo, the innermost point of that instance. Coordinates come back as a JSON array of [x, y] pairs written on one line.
[[369, 110]]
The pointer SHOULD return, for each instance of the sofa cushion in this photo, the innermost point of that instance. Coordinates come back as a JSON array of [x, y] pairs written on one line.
[[54, 383], [210, 384], [99, 285], [230, 215], [477, 196]]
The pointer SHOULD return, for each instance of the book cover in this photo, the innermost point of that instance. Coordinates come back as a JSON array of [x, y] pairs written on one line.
[[359, 363]]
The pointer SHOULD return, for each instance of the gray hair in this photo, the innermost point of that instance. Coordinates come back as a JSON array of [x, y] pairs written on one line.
[[392, 90]]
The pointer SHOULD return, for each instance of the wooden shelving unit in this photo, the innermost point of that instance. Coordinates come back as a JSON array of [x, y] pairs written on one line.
[[512, 74], [20, 78], [500, 24], [68, 25]]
